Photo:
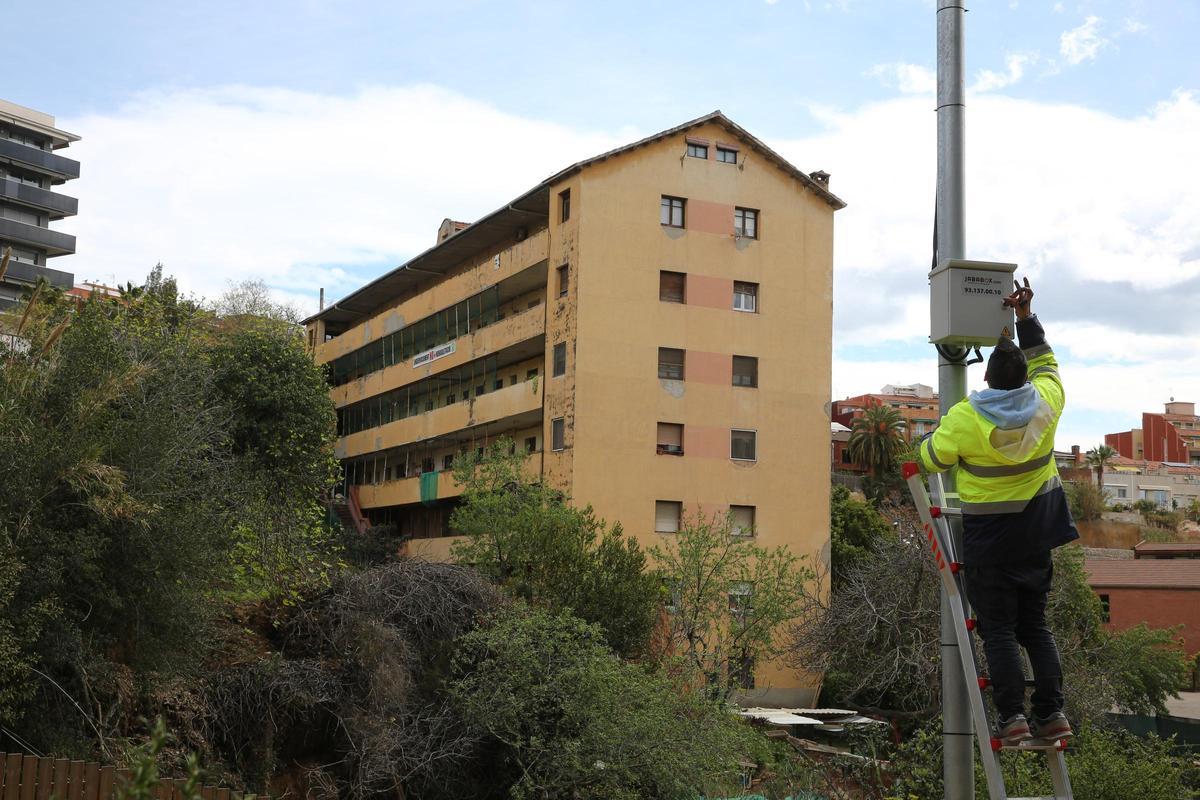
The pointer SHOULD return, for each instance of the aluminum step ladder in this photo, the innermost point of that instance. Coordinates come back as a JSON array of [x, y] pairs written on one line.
[[935, 524]]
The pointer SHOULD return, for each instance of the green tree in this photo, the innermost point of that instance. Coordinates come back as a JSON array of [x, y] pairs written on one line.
[[854, 528], [1098, 457], [524, 536], [877, 438], [564, 718], [127, 486], [730, 600]]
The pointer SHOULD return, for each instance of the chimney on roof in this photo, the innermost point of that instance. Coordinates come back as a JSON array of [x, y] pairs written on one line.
[[1076, 456], [448, 228], [821, 177]]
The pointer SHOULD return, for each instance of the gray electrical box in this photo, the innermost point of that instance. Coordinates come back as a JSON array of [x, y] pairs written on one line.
[[966, 302]]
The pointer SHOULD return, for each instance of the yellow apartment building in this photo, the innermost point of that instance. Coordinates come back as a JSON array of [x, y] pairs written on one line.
[[652, 325]]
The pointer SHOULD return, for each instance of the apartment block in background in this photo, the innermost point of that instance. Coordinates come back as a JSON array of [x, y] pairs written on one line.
[[1172, 436], [650, 326], [30, 169], [915, 402]]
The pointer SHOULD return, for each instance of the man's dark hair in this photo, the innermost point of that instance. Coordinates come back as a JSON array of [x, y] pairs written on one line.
[[1006, 367]]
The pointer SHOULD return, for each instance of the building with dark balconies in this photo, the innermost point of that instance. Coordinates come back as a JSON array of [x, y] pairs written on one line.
[[30, 169]]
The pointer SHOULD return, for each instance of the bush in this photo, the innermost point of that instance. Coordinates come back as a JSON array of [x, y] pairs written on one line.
[[1103, 763], [1086, 499], [564, 717]]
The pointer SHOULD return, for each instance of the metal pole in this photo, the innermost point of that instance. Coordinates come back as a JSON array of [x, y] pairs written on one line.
[[958, 741]]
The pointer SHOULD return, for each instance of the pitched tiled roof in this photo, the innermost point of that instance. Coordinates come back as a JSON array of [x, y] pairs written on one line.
[[1147, 573]]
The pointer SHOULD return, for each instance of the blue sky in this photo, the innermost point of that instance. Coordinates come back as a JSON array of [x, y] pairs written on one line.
[[318, 143]]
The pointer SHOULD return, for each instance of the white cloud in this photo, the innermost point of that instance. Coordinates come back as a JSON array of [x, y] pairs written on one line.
[[1098, 210], [908, 78], [1083, 43], [238, 181], [1134, 26], [987, 80]]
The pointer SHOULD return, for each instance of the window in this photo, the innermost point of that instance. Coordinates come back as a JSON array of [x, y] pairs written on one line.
[[531, 374], [745, 296], [478, 390], [697, 150], [667, 514], [512, 380], [846, 456], [672, 286], [670, 438], [671, 211], [743, 445], [562, 281], [557, 432], [745, 371], [499, 383], [726, 155], [741, 599], [743, 520], [1105, 609], [670, 364], [427, 464], [560, 359], [530, 444], [564, 205], [448, 461], [745, 222]]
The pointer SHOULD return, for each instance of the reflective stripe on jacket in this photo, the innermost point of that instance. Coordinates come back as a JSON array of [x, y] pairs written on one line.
[[1000, 471]]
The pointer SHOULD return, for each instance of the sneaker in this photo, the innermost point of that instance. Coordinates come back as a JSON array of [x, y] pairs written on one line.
[[1054, 726], [1014, 730]]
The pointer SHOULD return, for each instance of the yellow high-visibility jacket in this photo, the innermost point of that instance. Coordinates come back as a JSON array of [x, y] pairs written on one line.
[[1000, 471]]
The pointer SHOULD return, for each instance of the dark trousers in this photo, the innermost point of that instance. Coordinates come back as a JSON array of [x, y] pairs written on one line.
[[1010, 603]]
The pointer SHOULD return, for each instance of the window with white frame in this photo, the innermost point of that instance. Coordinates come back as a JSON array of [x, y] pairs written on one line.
[[743, 445], [745, 296]]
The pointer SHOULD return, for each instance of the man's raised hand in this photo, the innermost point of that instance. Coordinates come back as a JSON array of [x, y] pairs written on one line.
[[1020, 299]]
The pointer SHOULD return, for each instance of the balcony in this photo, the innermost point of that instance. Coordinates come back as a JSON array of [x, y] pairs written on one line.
[[63, 169], [21, 272], [523, 399], [406, 491], [492, 340], [52, 242], [58, 205]]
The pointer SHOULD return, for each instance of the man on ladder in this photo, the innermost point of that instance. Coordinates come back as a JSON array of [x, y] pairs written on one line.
[[1014, 513]]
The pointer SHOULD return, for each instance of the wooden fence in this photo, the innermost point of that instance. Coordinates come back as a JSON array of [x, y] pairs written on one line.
[[24, 777]]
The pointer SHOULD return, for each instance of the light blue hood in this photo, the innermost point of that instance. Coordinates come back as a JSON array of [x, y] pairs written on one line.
[[1007, 409]]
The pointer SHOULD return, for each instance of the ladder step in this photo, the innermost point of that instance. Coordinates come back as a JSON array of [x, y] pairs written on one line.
[[1040, 745]]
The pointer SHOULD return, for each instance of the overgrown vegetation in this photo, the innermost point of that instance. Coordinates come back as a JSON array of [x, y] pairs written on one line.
[[136, 501], [525, 537]]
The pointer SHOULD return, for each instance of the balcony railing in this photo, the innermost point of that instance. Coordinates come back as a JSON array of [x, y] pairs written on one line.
[[493, 406], [53, 242], [59, 205], [41, 160]]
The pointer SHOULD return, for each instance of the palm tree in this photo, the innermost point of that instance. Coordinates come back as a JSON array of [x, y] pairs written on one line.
[[877, 438], [1098, 457]]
